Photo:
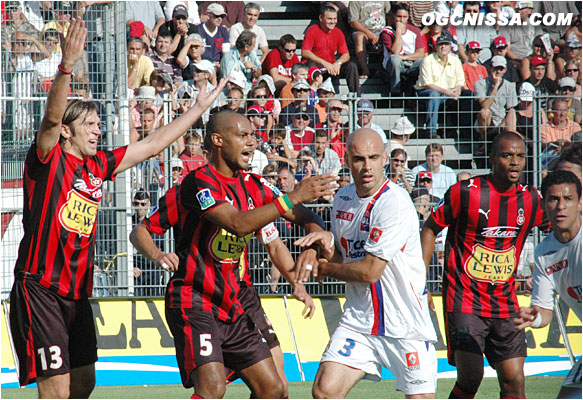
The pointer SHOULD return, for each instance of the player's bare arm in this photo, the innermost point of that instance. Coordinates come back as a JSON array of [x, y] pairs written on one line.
[[142, 240], [528, 316], [428, 236], [367, 270], [325, 242]]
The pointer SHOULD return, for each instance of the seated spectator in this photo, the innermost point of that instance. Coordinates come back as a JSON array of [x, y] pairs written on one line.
[[176, 168], [364, 114], [367, 19], [417, 9], [525, 118], [258, 118], [441, 78], [62, 13], [433, 32], [234, 12], [497, 99], [47, 66], [149, 13], [400, 133], [324, 92], [149, 122], [191, 6], [396, 170], [480, 33], [162, 82], [315, 79], [258, 97], [422, 202], [16, 21], [203, 71], [299, 134], [238, 80], [520, 37], [539, 52], [572, 70], [473, 71], [140, 67], [190, 54], [252, 11], [567, 90], [544, 86], [403, 49], [556, 31], [300, 91], [277, 149], [572, 52], [442, 176], [305, 165], [163, 60], [258, 160], [321, 44], [424, 180], [138, 30], [500, 48], [279, 62], [235, 102], [559, 129], [270, 174], [299, 71], [144, 99], [326, 159], [215, 35], [242, 58], [334, 128], [273, 104], [178, 29], [344, 176], [286, 182]]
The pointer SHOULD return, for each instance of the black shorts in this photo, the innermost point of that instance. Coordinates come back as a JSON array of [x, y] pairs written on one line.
[[252, 305], [52, 335], [496, 338], [200, 338]]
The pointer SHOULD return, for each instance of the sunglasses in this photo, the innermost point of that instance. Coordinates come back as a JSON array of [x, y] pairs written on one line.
[[261, 96], [568, 89], [537, 46], [198, 71], [572, 70], [289, 50], [260, 116], [180, 18], [303, 116], [218, 16], [425, 180], [498, 68], [301, 90], [398, 160], [271, 176]]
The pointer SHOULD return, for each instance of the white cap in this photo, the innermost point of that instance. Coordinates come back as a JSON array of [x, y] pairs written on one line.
[[195, 37], [526, 92], [402, 126], [567, 81], [327, 86], [176, 163], [216, 9], [269, 80], [498, 61], [146, 93], [205, 65], [524, 4], [183, 89], [238, 78]]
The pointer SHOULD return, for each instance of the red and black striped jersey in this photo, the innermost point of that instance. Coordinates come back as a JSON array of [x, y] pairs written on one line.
[[61, 199], [209, 255], [487, 231]]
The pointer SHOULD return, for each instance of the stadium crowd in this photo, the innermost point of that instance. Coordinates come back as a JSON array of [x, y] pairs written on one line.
[[490, 76]]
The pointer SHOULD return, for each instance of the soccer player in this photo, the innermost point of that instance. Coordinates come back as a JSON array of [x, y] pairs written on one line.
[[50, 317], [489, 219], [375, 248], [220, 207], [168, 215], [557, 268]]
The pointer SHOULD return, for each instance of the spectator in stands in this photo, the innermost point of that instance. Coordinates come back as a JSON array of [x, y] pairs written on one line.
[[258, 118], [442, 176], [367, 19], [525, 114], [326, 159], [162, 82], [190, 54], [572, 70], [463, 176], [544, 85], [62, 13], [570, 159], [149, 13], [422, 202], [473, 71], [235, 101], [163, 60], [441, 77], [424, 180], [277, 149], [237, 80], [417, 9], [325, 92], [286, 182], [234, 12], [191, 156], [242, 58], [480, 33], [337, 131], [272, 104], [400, 133], [572, 52], [301, 91], [16, 21], [258, 160], [364, 114], [497, 99], [344, 180], [299, 134], [279, 62], [321, 44], [178, 28], [47, 66], [252, 11], [176, 168], [539, 52], [191, 6], [315, 79], [559, 129], [258, 96], [500, 48], [145, 97], [215, 35], [567, 90], [556, 31], [432, 33], [521, 37], [403, 49], [299, 71], [396, 170], [138, 30], [203, 70]]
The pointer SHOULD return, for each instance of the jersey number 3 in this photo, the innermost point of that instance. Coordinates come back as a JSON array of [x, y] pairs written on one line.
[[347, 349]]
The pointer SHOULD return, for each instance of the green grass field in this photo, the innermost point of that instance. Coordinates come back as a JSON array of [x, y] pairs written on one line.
[[536, 387]]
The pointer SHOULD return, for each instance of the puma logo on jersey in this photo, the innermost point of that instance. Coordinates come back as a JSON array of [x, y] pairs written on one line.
[[472, 183], [480, 211]]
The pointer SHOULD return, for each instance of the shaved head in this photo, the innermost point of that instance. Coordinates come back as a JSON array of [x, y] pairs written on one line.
[[366, 157], [363, 136]]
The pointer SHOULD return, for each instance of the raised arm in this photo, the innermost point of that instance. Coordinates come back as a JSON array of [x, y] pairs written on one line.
[[50, 127]]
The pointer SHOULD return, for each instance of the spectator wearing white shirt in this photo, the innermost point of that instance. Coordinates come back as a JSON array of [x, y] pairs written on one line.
[[442, 175], [252, 11]]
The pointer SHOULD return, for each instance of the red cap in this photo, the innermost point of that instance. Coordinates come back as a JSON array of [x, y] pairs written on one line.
[[255, 109], [425, 175], [313, 73], [473, 45], [537, 60], [500, 41], [136, 29]]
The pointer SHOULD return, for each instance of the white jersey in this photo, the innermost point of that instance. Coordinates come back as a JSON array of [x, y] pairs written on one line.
[[557, 269], [385, 225]]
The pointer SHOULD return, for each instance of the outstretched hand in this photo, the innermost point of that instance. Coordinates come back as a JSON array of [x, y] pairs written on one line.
[[314, 187], [72, 46], [204, 99]]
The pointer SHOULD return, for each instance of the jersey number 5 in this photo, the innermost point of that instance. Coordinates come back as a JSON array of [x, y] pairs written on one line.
[[347, 349], [206, 346], [56, 360]]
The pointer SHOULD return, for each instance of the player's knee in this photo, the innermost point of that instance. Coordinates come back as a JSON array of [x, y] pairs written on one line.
[[512, 387], [59, 392], [321, 390], [82, 389], [272, 391]]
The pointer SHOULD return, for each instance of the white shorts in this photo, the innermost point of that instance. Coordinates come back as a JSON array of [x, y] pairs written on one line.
[[413, 362]]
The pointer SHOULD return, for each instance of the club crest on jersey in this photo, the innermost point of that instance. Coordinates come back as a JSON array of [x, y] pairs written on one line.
[[365, 221], [520, 218], [95, 191], [489, 265], [412, 361], [205, 199], [78, 214], [375, 235]]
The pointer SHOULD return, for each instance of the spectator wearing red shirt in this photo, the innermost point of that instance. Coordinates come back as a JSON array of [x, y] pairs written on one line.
[[191, 157], [279, 62], [321, 44], [299, 134], [472, 70]]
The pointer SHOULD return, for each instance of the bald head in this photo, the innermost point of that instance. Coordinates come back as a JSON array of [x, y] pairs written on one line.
[[365, 155], [364, 137], [224, 121]]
